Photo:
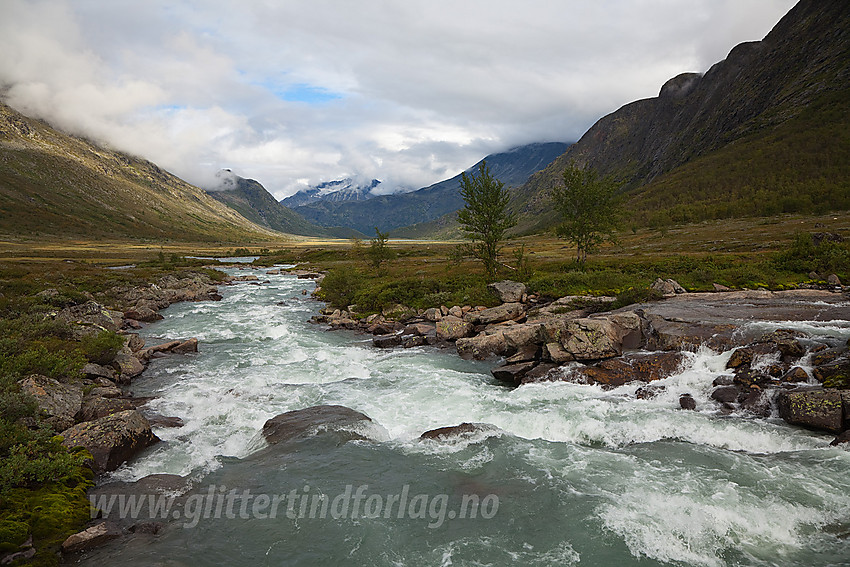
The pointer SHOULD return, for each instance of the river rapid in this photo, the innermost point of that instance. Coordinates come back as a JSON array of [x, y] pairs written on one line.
[[569, 475]]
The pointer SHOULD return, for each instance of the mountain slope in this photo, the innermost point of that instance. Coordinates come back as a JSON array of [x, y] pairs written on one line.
[[336, 191], [768, 125], [256, 204], [55, 184], [389, 212]]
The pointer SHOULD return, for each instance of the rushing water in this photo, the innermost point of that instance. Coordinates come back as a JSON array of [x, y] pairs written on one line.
[[573, 475]]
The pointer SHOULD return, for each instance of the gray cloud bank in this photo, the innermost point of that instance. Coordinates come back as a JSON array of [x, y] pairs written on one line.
[[299, 92]]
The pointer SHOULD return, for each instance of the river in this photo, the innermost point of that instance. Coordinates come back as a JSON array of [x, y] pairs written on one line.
[[574, 475]]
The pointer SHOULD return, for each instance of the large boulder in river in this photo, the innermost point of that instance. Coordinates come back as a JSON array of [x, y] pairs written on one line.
[[113, 439], [463, 431], [508, 291], [821, 409], [614, 372], [603, 337], [59, 403], [310, 421]]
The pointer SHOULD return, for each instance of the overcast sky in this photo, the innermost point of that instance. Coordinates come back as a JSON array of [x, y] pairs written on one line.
[[296, 92]]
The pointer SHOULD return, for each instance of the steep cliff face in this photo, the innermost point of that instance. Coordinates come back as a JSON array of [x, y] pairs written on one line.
[[803, 64], [53, 184]]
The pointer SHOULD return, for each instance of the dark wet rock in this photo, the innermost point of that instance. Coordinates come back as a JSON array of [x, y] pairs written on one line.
[[648, 392], [451, 328], [795, 374], [113, 439], [687, 402], [149, 528], [756, 402], [834, 374], [826, 356], [842, 439], [748, 378], [726, 394], [387, 341], [412, 341], [816, 409], [58, 403], [380, 329], [508, 291], [307, 422], [157, 420], [543, 372], [92, 537], [723, 381], [512, 373], [740, 357], [791, 348], [643, 367], [96, 407], [463, 431], [774, 370], [525, 353]]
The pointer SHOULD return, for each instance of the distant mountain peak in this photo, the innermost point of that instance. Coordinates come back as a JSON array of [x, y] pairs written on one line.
[[337, 191]]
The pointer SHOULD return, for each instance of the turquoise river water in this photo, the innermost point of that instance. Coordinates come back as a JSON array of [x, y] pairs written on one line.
[[573, 475]]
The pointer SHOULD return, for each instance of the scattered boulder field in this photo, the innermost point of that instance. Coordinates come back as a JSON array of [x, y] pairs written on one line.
[[802, 378]]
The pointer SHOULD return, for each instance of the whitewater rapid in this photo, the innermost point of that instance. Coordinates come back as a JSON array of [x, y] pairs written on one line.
[[587, 475]]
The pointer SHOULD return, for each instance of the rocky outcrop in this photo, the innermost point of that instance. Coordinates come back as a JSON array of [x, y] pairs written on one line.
[[89, 318], [642, 367], [113, 439], [451, 328], [58, 403], [820, 409]]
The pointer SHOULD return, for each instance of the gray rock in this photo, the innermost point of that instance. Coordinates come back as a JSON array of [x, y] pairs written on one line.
[[128, 364], [96, 407], [508, 291], [187, 346], [687, 402], [720, 287], [93, 371], [113, 439], [387, 341], [58, 402], [482, 346], [833, 280], [498, 314], [433, 314], [309, 421], [462, 431]]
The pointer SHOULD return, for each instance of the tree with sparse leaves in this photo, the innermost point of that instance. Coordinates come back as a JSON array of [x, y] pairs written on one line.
[[590, 209], [485, 218], [379, 252]]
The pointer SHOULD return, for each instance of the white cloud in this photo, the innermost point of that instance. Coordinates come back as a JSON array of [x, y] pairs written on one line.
[[412, 92]]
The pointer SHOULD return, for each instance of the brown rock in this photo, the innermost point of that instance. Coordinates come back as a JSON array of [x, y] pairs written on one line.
[[644, 367], [187, 346], [525, 354], [795, 374], [387, 341], [726, 394], [144, 314], [740, 357]]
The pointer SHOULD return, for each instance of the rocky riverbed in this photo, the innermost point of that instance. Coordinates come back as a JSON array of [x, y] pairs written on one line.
[[803, 374]]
